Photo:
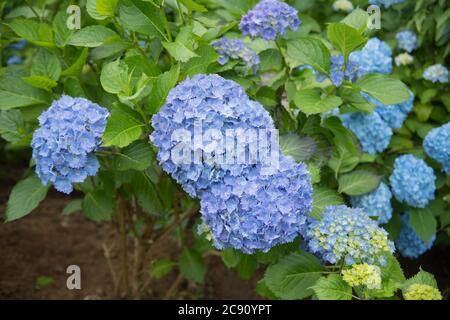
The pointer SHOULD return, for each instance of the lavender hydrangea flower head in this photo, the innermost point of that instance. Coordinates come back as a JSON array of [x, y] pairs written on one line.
[[348, 234], [337, 75], [436, 73], [408, 243], [257, 211], [268, 18], [372, 132], [204, 102], [393, 114], [437, 145], [386, 3], [236, 49], [407, 40], [412, 181], [63, 146], [376, 203], [375, 57]]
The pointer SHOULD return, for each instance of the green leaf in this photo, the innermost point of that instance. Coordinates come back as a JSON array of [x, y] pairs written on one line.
[[98, 205], [194, 6], [91, 36], [377, 85], [423, 222], [263, 290], [230, 257], [191, 265], [310, 101], [293, 276], [115, 78], [137, 156], [354, 99], [358, 182], [38, 33], [164, 83], [247, 266], [46, 64], [161, 268], [309, 51], [41, 82], [343, 160], [332, 287], [12, 125], [146, 193], [391, 279], [43, 282], [62, 32], [422, 277], [301, 148], [142, 17], [101, 9], [124, 126], [206, 55], [345, 38], [73, 206], [357, 19], [25, 197], [76, 68], [179, 51], [323, 197]]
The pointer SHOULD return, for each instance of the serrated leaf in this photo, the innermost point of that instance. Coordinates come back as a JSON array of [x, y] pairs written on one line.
[[101, 9], [124, 126], [293, 276], [25, 197], [332, 287], [15, 93], [194, 6], [137, 156], [91, 36], [98, 205], [146, 193], [164, 83], [358, 182], [323, 197], [46, 64], [310, 101], [423, 222], [191, 265], [179, 51], [376, 85], [309, 51], [62, 32], [345, 37], [41, 82], [301, 148], [76, 68], [38, 33], [422, 277], [115, 78], [357, 19], [160, 268], [73, 206]]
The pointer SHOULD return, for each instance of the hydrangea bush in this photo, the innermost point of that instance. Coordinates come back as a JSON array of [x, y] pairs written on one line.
[[279, 136]]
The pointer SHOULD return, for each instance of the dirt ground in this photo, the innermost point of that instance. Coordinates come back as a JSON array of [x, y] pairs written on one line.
[[45, 242]]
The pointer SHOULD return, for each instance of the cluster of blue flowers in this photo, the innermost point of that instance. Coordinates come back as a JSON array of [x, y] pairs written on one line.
[[437, 145], [393, 114], [436, 73], [372, 132], [408, 243], [376, 203], [20, 45], [268, 18], [407, 40], [386, 3], [375, 57], [63, 146], [348, 234], [236, 49], [338, 75], [256, 211], [412, 181], [246, 205]]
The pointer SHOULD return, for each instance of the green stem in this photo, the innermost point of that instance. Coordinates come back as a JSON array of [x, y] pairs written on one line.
[[181, 12]]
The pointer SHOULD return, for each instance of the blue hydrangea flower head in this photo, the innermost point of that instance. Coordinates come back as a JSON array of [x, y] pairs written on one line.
[[372, 132], [256, 211], [206, 102], [412, 181], [348, 234], [375, 57], [386, 3], [268, 18], [407, 40], [338, 75], [437, 145], [14, 60], [376, 203], [65, 143], [436, 73], [393, 114], [236, 49], [20, 45], [408, 243]]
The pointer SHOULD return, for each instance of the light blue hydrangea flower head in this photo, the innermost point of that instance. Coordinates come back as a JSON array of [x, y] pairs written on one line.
[[204, 102], [269, 18], [338, 75], [412, 181], [14, 60], [375, 57], [437, 145], [436, 73], [376, 203], [372, 132], [236, 49], [256, 211], [20, 45], [348, 234], [393, 114], [407, 40], [408, 243], [63, 146], [386, 3]]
